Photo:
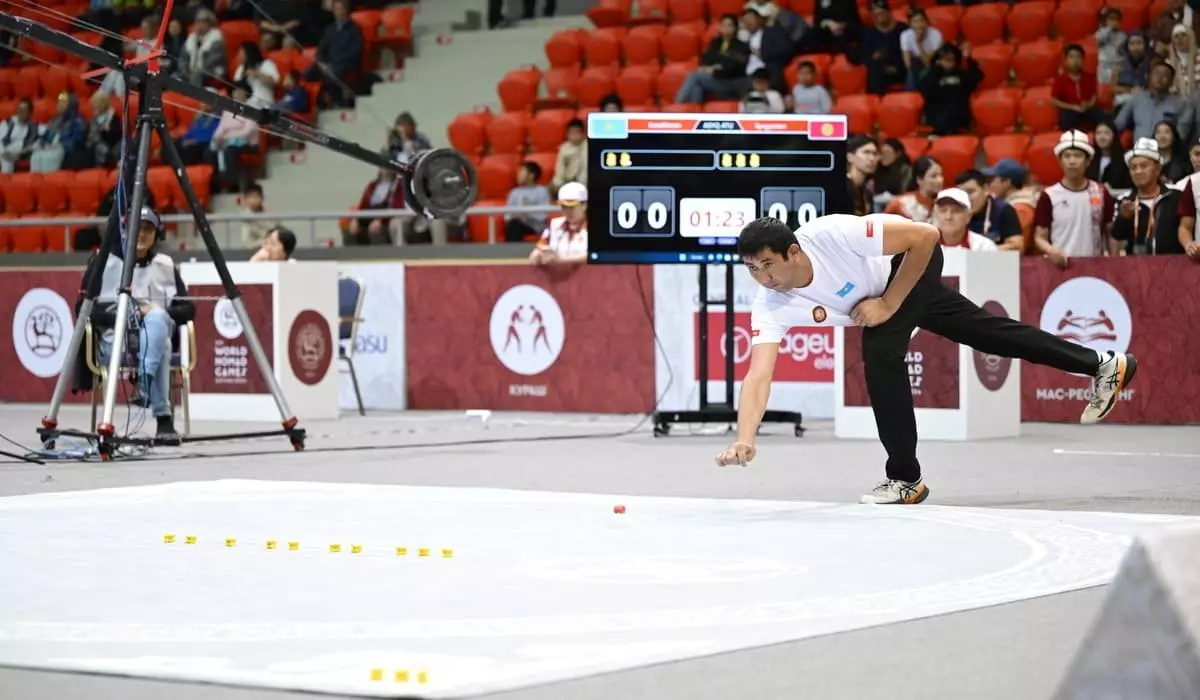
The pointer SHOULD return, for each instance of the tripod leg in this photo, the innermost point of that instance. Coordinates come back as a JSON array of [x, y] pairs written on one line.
[[132, 224], [171, 155], [108, 242]]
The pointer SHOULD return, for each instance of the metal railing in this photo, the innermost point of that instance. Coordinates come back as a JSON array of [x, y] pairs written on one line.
[[307, 235]]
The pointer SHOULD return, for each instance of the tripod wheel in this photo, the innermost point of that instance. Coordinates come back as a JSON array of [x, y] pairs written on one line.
[[298, 445]]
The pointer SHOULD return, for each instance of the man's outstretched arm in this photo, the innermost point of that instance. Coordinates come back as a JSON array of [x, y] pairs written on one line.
[[752, 403]]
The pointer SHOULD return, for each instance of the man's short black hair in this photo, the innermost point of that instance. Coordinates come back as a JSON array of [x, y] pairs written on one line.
[[806, 65], [971, 175], [287, 239], [1073, 48], [767, 233], [534, 169], [253, 188], [575, 124]]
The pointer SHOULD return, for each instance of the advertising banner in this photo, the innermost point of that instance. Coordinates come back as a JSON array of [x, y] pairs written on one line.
[[224, 363], [932, 367], [803, 373], [515, 337], [379, 348], [1149, 306], [37, 307]]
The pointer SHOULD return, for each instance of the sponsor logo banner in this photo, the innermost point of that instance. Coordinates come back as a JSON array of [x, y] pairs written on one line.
[[932, 363], [37, 307], [520, 338], [1145, 305], [992, 370], [310, 347], [224, 363], [379, 347], [803, 373]]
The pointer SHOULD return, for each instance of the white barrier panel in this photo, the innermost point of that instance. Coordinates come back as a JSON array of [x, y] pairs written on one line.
[[294, 312], [958, 393], [803, 374], [379, 354]]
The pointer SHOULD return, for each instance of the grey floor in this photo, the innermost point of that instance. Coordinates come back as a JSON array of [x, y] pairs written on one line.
[[1011, 651]]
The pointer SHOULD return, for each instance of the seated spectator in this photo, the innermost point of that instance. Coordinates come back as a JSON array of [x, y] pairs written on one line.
[[881, 52], [721, 69], [918, 204], [1178, 13], [234, 136], [770, 48], [762, 98], [612, 103], [1147, 220], [953, 215], [862, 160], [255, 230], [63, 143], [295, 97], [564, 242], [571, 164], [386, 191], [894, 175], [104, 132], [527, 193], [947, 88], [1110, 39], [1172, 152], [766, 9], [1134, 73], [1146, 109], [18, 134], [1075, 92], [1188, 240], [173, 46], [808, 96], [261, 74], [404, 140], [277, 246], [918, 44], [194, 144], [1008, 180], [991, 217], [204, 59], [1073, 215], [161, 305], [1108, 167], [836, 28], [1182, 57], [339, 59]]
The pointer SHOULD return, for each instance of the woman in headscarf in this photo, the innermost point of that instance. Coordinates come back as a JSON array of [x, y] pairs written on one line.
[[1182, 57], [63, 143]]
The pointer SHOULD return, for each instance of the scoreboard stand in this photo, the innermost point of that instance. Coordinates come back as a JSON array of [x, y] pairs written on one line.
[[677, 189], [725, 411]]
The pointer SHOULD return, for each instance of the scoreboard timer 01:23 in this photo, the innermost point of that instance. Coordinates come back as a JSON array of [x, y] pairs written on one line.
[[650, 212]]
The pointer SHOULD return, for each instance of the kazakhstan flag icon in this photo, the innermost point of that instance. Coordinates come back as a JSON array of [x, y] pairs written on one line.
[[603, 127]]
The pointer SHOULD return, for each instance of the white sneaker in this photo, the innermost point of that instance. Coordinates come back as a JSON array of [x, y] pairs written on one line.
[[1111, 378], [894, 491]]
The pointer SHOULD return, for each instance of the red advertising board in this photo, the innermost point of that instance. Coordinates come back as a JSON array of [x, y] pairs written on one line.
[[224, 364], [932, 367], [1149, 306], [37, 311], [805, 353], [514, 337]]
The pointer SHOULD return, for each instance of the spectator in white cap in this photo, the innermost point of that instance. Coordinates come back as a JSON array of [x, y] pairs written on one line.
[[564, 242], [952, 213], [1147, 220], [1073, 215]]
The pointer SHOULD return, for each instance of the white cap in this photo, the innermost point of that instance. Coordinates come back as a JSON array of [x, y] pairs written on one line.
[[957, 195], [1144, 148], [572, 193], [1074, 139]]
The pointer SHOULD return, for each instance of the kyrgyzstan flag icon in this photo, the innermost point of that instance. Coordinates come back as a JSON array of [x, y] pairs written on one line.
[[827, 128]]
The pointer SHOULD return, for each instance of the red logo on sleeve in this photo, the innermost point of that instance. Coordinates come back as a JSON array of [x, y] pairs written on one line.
[[870, 229], [754, 333]]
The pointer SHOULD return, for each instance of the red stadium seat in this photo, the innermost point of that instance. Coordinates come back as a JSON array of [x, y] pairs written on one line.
[[610, 13], [997, 147], [602, 47], [946, 19], [548, 129], [718, 8], [507, 133], [20, 193], [594, 85], [721, 107], [984, 24], [497, 175], [1043, 164], [859, 111], [642, 47], [1074, 21], [1029, 21], [467, 134], [995, 61], [56, 81], [52, 192], [1037, 63], [85, 190], [397, 32], [995, 111], [161, 181], [7, 77], [565, 48], [27, 239], [676, 107], [487, 228], [1037, 111], [653, 11], [847, 78], [687, 10], [670, 80], [28, 82], [915, 146], [635, 85], [899, 114], [518, 89], [681, 44], [955, 154], [562, 83]]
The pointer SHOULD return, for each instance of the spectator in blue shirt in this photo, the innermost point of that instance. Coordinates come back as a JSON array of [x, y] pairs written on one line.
[[881, 50]]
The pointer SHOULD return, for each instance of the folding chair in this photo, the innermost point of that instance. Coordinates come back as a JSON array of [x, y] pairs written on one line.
[[183, 363], [350, 301]]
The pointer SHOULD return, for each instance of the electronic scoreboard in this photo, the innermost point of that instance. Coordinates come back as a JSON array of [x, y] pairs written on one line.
[[678, 188]]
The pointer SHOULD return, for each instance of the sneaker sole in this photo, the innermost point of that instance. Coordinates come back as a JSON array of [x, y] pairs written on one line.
[[921, 496], [1127, 371]]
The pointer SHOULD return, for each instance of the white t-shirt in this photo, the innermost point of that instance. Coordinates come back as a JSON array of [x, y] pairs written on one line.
[[848, 266], [261, 95], [563, 242], [932, 41]]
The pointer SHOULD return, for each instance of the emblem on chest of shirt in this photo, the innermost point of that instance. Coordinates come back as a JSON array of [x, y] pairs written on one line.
[[819, 314]]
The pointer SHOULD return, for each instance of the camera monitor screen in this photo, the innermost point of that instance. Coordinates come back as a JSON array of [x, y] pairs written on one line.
[[678, 188]]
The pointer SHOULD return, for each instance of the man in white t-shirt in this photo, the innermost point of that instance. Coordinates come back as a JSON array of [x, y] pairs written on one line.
[[884, 272]]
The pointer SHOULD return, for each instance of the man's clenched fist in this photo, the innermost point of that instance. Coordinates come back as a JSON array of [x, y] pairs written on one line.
[[738, 453]]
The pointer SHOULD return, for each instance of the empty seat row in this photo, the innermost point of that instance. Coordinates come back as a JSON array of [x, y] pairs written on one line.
[[81, 191]]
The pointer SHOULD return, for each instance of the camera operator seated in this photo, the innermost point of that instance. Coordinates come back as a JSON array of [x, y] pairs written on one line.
[[156, 310]]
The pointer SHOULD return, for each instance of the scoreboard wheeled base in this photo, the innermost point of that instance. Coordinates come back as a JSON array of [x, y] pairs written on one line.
[[663, 420]]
